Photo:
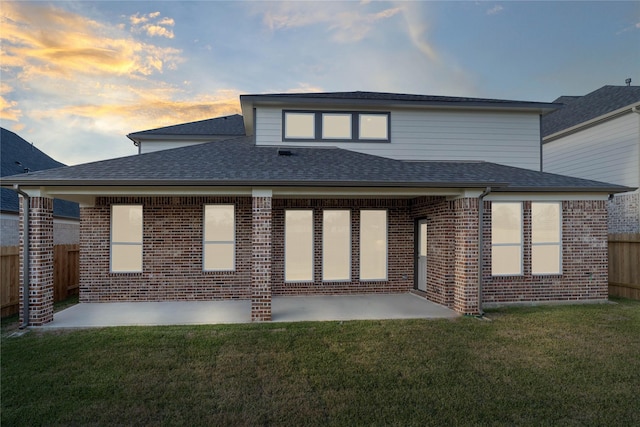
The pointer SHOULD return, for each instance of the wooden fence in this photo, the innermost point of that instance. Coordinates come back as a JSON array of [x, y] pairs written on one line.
[[624, 265], [66, 275]]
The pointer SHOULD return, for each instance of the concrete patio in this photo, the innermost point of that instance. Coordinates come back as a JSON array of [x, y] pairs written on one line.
[[284, 309]]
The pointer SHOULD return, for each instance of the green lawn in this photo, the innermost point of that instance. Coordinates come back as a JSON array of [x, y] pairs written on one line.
[[562, 365]]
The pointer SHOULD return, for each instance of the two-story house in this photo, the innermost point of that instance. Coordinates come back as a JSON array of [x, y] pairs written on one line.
[[334, 193]]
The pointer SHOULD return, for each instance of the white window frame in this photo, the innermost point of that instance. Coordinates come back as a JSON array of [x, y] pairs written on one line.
[[325, 248], [513, 245], [557, 244], [115, 244], [209, 243], [386, 229], [311, 249]]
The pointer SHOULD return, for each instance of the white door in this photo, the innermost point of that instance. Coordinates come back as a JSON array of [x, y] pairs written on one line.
[[422, 255]]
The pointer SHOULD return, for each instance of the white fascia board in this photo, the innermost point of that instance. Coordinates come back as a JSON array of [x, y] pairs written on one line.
[[545, 197]]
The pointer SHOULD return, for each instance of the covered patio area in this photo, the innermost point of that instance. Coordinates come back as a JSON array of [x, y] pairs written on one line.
[[284, 309]]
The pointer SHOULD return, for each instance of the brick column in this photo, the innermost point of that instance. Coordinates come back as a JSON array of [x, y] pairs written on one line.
[[40, 247], [261, 256], [465, 287]]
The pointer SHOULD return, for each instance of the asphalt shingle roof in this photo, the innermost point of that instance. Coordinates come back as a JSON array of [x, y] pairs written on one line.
[[385, 96], [228, 125], [14, 149], [239, 162], [579, 109]]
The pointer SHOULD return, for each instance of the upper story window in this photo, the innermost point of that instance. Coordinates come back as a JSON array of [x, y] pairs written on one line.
[[336, 126], [299, 126]]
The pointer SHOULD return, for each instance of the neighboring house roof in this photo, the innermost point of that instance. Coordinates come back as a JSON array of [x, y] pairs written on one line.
[[580, 109], [227, 125], [239, 162], [16, 155]]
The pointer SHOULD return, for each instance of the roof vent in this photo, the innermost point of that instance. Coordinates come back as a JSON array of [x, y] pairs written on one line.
[[282, 152], [628, 81]]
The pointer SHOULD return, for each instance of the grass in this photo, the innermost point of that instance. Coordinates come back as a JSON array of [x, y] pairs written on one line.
[[562, 365]]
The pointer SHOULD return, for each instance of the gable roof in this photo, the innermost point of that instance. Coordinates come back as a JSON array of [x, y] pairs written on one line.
[[232, 125], [580, 109], [239, 162], [16, 155]]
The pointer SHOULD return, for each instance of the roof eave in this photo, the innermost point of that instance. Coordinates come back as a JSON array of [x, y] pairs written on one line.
[[247, 103], [243, 183]]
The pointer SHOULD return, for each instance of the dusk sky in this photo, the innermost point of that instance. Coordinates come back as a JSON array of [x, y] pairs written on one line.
[[77, 76]]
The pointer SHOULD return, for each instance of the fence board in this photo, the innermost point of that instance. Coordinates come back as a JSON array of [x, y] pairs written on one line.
[[624, 265], [66, 275], [9, 279]]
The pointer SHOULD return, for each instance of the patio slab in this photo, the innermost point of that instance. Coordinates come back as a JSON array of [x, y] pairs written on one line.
[[284, 309]]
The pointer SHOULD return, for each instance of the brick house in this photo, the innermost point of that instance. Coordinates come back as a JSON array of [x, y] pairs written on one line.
[[333, 193]]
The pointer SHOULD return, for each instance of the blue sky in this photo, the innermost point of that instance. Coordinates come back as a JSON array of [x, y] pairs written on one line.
[[76, 76]]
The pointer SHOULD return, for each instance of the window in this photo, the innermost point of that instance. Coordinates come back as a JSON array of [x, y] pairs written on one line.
[[506, 239], [299, 125], [373, 245], [546, 240], [373, 126], [336, 245], [298, 245], [336, 126], [126, 238], [345, 126], [219, 238]]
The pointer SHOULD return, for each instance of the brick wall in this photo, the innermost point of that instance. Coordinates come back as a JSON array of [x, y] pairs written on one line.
[[261, 265], [40, 260], [584, 260], [440, 250], [172, 252], [399, 255], [624, 213]]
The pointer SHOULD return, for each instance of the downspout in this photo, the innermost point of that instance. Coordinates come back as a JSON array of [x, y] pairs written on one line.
[[25, 265], [481, 245]]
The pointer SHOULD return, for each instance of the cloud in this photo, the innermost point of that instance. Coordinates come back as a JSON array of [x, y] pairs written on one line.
[[147, 110], [46, 41], [417, 29], [142, 23], [495, 10], [7, 108], [346, 24]]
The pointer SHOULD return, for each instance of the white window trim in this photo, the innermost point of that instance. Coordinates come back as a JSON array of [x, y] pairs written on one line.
[[511, 245], [312, 247], [112, 243], [348, 279], [386, 229], [221, 242], [558, 244]]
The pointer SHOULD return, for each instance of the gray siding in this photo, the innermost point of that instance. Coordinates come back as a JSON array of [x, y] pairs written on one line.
[[608, 152], [507, 138]]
